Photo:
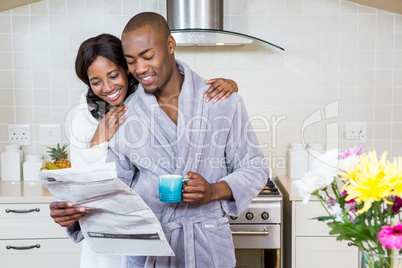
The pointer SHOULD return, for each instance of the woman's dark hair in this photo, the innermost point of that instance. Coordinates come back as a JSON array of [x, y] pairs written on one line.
[[109, 47]]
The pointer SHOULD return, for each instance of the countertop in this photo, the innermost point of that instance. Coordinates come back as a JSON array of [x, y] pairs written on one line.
[[33, 191], [24, 192]]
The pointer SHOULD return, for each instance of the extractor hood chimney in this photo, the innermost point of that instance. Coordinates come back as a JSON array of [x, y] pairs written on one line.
[[200, 23]]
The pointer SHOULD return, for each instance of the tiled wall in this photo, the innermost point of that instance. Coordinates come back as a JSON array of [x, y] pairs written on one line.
[[336, 52]]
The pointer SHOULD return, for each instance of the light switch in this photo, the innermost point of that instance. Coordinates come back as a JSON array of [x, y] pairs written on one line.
[[49, 134]]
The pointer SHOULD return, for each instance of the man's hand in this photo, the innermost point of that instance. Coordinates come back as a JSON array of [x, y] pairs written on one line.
[[64, 214], [198, 190]]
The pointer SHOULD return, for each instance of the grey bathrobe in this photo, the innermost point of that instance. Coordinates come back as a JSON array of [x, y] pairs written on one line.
[[214, 140]]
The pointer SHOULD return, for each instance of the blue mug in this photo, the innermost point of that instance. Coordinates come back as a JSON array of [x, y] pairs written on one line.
[[171, 188]]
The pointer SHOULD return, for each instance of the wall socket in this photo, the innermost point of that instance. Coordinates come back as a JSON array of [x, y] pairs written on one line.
[[356, 132], [19, 134]]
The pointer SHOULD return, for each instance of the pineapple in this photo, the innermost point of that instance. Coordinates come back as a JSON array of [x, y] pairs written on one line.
[[59, 155]]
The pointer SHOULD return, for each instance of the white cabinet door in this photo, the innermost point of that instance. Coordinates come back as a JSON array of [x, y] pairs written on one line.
[[306, 225], [39, 253], [319, 252]]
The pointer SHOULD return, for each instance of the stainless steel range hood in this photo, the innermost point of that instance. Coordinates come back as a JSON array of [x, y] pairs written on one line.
[[200, 23]]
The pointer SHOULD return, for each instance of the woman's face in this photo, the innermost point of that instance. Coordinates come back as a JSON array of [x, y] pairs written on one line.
[[108, 80]]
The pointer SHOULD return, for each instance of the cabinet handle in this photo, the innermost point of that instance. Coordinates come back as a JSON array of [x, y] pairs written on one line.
[[351, 244], [23, 248], [22, 210]]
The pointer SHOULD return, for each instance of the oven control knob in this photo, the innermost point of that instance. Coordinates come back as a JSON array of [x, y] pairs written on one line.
[[249, 215], [233, 217], [265, 215]]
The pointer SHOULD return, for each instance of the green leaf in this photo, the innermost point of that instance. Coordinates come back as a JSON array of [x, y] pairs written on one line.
[[323, 218], [352, 232]]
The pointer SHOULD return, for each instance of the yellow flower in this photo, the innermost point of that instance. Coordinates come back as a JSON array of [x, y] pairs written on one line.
[[394, 171], [367, 182]]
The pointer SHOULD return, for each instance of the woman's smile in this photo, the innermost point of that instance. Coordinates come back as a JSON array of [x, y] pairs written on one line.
[[114, 95]]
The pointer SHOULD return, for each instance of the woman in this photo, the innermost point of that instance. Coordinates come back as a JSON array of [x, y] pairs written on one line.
[[101, 65]]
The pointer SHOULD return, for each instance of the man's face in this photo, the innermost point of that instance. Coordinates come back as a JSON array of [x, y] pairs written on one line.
[[148, 58]]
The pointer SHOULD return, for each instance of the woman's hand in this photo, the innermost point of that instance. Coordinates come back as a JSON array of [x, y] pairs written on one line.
[[221, 87], [109, 125]]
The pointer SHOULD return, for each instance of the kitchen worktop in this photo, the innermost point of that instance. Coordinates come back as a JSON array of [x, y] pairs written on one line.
[[33, 191], [24, 192]]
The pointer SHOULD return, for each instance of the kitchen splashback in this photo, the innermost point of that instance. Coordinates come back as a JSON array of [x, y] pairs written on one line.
[[336, 50]]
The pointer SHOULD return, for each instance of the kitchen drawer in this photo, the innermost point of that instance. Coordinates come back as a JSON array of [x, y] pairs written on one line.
[[21, 211], [30, 228], [60, 253], [305, 224], [25, 221]]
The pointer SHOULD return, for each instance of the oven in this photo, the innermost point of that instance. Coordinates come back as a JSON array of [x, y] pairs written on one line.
[[257, 232]]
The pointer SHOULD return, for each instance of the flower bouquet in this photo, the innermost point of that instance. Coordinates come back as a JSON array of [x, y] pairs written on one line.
[[362, 196]]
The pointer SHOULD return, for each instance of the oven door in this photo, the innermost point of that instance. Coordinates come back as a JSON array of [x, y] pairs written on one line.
[[257, 246]]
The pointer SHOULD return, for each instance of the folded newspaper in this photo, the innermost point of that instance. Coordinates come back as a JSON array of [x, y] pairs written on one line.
[[119, 222]]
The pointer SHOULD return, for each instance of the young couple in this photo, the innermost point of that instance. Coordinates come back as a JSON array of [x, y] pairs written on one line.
[[177, 125]]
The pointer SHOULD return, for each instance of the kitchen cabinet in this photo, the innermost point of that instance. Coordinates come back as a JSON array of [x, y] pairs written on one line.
[[307, 242], [6, 5], [389, 5], [28, 235]]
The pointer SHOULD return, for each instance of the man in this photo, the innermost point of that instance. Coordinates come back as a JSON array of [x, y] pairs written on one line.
[[171, 130]]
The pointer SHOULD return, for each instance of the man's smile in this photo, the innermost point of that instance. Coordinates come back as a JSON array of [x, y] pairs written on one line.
[[145, 80]]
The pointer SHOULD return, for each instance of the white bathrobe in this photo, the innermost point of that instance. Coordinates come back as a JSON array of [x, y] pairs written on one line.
[[210, 139], [83, 127]]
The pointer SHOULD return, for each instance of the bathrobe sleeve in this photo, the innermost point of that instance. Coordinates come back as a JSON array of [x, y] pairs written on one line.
[[248, 171], [74, 233], [82, 128]]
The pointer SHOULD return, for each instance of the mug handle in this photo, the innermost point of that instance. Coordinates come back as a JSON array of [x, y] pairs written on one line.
[[183, 180]]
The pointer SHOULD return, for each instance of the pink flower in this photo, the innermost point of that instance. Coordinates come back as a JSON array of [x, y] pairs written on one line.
[[354, 151], [391, 237], [352, 201], [397, 205], [353, 206], [331, 202]]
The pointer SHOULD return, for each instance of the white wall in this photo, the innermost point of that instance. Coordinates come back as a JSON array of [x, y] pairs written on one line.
[[335, 51]]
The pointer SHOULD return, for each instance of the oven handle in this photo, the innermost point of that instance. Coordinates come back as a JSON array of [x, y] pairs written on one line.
[[250, 233]]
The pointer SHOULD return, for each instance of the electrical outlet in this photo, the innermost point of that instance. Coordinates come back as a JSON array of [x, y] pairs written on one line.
[[49, 134], [19, 134], [356, 132]]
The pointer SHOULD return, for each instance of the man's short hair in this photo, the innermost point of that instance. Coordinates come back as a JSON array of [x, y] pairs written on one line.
[[155, 20]]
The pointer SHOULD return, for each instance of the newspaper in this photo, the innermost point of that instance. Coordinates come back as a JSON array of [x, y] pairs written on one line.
[[119, 222]]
